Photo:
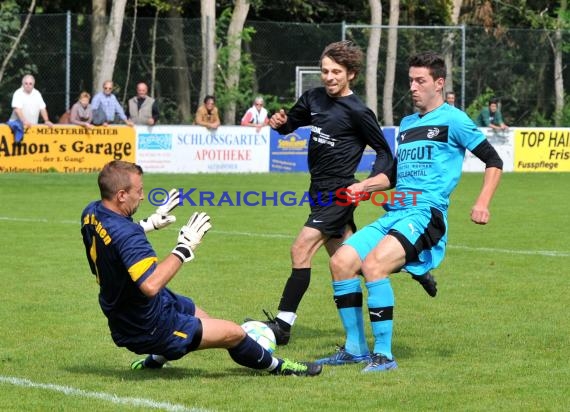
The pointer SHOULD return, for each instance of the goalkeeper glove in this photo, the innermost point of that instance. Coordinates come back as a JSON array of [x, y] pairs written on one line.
[[162, 217], [191, 235]]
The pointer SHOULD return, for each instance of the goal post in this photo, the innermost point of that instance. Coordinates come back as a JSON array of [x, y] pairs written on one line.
[[306, 77]]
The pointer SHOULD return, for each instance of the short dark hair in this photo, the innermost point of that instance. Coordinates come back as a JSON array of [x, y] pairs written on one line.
[[493, 100], [431, 60], [345, 53], [209, 97], [115, 176]]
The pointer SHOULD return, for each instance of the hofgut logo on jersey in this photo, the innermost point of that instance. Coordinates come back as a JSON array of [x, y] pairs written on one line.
[[415, 153]]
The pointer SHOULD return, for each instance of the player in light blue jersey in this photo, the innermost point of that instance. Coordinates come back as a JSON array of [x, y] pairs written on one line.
[[412, 235]]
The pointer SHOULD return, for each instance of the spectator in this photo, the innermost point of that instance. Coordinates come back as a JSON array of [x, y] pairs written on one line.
[[28, 104], [142, 109], [491, 116], [207, 114], [256, 115], [106, 108], [450, 98], [81, 112]]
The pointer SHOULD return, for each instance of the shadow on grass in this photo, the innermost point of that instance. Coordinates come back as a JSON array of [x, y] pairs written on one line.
[[308, 343], [172, 372], [323, 341]]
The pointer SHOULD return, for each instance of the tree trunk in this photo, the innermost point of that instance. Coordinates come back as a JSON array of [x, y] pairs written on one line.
[[239, 15], [209, 58], [372, 55], [181, 76], [112, 43], [98, 16], [558, 73], [153, 54], [130, 61], [17, 40], [391, 56], [448, 47]]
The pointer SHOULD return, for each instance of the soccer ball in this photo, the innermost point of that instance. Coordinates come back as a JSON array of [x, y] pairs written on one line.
[[261, 333]]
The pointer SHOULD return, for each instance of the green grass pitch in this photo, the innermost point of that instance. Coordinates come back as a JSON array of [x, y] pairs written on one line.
[[496, 338]]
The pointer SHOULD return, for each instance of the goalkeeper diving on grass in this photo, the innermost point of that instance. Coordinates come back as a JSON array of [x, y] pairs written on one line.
[[143, 315]]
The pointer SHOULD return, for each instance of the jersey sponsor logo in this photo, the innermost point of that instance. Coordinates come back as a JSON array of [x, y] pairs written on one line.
[[431, 133], [412, 229], [418, 153], [317, 135]]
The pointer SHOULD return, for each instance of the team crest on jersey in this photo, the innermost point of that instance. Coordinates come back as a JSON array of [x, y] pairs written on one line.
[[432, 133]]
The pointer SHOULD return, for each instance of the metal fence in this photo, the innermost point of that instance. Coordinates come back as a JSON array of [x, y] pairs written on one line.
[[517, 64]]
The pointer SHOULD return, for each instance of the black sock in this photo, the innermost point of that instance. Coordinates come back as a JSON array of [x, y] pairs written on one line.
[[251, 354], [295, 289]]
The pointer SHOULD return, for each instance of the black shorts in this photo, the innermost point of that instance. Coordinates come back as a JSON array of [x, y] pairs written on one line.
[[329, 213], [178, 331]]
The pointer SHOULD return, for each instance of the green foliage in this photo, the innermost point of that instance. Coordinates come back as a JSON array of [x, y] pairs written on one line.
[[9, 9], [479, 103], [497, 56], [10, 25], [536, 119], [565, 120], [170, 113], [160, 5], [316, 11], [9, 28], [245, 92], [274, 103], [432, 13], [494, 339]]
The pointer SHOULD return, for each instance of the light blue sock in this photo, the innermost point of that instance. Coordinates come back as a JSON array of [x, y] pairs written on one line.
[[348, 299], [380, 309]]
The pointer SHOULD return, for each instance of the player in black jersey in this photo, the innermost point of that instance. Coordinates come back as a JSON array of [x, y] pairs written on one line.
[[341, 127]]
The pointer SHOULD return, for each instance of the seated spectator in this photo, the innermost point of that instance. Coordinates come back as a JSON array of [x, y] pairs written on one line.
[[106, 108], [81, 113], [142, 109], [28, 104], [256, 115], [207, 114], [491, 116]]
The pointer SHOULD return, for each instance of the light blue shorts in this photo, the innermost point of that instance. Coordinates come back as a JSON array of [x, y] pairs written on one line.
[[422, 231]]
